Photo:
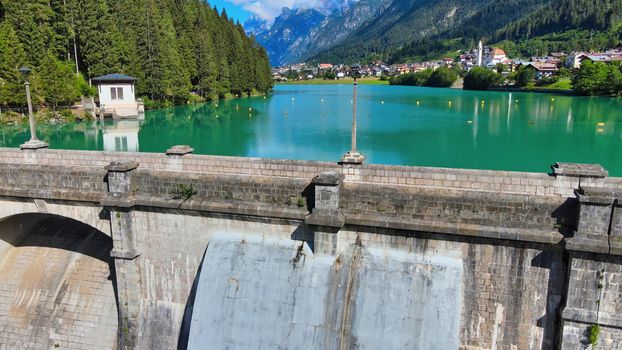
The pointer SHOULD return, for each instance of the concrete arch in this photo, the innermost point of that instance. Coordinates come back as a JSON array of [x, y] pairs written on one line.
[[88, 213], [57, 284]]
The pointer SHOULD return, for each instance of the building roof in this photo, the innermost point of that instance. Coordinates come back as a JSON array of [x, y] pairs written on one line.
[[541, 66], [497, 52], [108, 78]]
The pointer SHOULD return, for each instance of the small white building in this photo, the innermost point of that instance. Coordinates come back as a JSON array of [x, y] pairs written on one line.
[[117, 96]]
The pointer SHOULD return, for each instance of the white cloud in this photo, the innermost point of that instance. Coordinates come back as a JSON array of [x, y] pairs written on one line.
[[269, 9]]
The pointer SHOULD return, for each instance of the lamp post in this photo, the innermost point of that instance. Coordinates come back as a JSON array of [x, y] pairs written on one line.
[[353, 157], [34, 142]]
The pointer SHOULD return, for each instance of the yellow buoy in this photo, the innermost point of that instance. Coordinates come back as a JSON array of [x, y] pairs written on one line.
[[250, 109], [417, 103], [601, 124], [552, 99], [600, 130], [469, 122]]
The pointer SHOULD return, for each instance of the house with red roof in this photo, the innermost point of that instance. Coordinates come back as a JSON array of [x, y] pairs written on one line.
[[496, 56]]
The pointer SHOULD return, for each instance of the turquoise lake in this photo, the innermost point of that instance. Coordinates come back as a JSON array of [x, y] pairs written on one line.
[[396, 125]]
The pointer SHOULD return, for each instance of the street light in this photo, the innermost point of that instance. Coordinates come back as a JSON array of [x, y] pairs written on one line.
[[34, 142], [353, 157]]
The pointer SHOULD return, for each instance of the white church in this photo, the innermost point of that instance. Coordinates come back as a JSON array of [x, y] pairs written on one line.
[[492, 57]]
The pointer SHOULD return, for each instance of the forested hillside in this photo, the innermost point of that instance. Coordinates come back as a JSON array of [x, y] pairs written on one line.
[[529, 27], [482, 25], [565, 25], [401, 23], [174, 48], [424, 29]]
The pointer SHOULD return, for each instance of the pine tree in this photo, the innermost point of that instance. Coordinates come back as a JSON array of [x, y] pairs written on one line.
[[99, 42], [33, 23], [59, 83], [12, 57]]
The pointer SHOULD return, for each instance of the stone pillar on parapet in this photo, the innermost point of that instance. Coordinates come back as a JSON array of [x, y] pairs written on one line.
[[120, 202], [593, 314], [351, 164], [175, 155], [326, 218], [571, 176]]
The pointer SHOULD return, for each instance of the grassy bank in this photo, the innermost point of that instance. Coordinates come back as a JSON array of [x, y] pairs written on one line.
[[345, 81], [562, 84], [45, 116]]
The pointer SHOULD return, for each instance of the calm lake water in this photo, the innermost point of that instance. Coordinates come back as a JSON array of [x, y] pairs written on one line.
[[397, 125]]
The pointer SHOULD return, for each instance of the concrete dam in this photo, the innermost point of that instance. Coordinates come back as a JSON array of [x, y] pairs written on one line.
[[106, 250]]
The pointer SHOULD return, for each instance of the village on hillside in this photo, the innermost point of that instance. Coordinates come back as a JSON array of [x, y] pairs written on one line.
[[492, 58]]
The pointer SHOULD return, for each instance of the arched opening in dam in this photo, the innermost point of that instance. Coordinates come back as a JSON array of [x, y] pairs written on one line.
[[57, 284]]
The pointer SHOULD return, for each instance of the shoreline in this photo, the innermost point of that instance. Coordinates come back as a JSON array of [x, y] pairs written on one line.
[[539, 91], [345, 81]]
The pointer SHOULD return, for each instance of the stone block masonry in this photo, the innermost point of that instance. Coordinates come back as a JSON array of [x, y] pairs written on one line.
[[535, 258]]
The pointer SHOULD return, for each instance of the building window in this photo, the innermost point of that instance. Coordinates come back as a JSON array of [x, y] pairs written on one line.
[[120, 144], [116, 93]]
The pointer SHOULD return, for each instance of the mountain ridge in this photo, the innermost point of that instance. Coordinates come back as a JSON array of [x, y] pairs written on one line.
[[402, 30]]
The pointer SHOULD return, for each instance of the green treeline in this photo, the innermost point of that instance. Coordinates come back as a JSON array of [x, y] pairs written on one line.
[[178, 49], [598, 79], [441, 77]]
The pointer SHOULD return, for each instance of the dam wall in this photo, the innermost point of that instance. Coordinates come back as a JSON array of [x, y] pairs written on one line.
[[202, 244]]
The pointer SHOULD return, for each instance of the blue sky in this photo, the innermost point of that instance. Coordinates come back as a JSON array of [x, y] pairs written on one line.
[[269, 9], [233, 11]]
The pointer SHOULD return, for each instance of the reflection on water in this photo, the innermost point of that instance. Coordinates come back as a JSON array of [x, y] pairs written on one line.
[[121, 136], [397, 125]]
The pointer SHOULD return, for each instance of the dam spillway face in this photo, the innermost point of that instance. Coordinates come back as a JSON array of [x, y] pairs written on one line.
[[57, 290], [257, 292]]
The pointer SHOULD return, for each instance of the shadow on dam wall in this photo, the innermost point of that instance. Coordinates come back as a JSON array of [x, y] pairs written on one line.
[[58, 284]]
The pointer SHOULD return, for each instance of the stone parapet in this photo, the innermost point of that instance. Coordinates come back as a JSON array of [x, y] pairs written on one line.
[[473, 212], [481, 180]]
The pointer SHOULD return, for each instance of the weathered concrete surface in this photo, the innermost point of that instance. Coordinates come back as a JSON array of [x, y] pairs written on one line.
[[510, 292], [514, 234], [57, 287], [172, 244], [258, 292]]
